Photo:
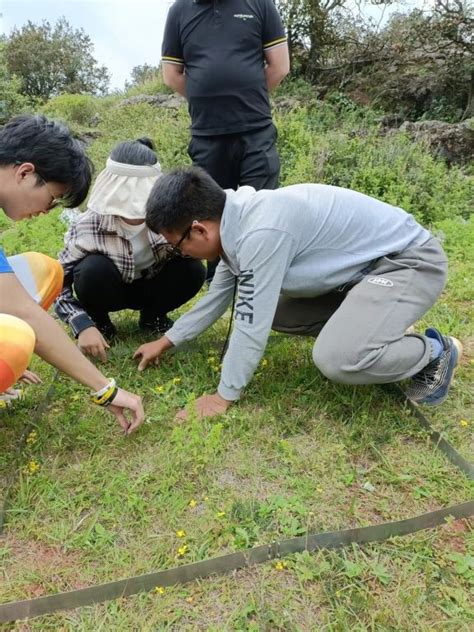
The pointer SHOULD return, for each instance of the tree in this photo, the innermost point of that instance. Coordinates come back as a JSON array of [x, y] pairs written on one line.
[[11, 100], [51, 60], [416, 64], [312, 27], [142, 74]]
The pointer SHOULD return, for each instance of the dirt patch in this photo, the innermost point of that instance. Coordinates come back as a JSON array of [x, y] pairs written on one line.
[[453, 536], [49, 563]]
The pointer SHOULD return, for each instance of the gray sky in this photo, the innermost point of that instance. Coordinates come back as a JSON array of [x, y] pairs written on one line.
[[125, 33]]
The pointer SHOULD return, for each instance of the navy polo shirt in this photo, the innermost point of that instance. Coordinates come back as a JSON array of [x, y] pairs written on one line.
[[221, 44]]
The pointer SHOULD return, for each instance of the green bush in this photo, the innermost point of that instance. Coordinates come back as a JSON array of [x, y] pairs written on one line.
[[12, 102], [73, 108], [346, 149], [167, 128], [41, 234], [155, 85]]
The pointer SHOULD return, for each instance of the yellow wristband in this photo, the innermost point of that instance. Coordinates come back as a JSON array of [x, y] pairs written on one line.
[[104, 395]]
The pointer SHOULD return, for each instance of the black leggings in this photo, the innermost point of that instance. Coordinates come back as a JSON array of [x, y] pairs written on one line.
[[100, 288]]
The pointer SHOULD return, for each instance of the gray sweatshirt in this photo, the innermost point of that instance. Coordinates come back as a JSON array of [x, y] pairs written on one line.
[[302, 240]]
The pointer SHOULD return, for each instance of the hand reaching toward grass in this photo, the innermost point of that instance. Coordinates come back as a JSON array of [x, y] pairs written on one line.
[[151, 352], [11, 394], [207, 406], [29, 377], [125, 401], [91, 341]]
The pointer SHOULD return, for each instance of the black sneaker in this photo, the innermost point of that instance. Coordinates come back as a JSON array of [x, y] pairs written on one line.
[[430, 386], [158, 325]]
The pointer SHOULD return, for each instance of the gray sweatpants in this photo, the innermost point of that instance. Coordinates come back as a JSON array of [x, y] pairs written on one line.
[[361, 332]]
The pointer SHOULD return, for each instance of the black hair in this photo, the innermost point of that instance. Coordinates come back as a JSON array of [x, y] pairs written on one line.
[[181, 196], [50, 147], [135, 152]]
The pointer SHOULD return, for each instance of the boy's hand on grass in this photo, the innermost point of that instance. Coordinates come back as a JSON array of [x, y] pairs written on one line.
[[29, 377], [207, 406], [92, 342], [151, 352], [125, 402]]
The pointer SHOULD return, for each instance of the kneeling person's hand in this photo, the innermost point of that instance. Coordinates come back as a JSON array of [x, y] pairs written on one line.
[[92, 342], [207, 406], [151, 352]]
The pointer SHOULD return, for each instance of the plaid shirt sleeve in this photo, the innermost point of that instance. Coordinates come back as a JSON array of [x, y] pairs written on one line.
[[67, 307], [94, 233]]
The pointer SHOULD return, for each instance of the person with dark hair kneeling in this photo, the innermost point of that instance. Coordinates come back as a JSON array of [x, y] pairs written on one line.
[[308, 259], [112, 261], [41, 166]]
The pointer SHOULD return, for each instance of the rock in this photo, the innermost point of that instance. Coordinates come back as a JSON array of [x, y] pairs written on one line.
[[390, 121], [452, 141], [95, 120], [286, 104], [174, 101], [88, 137], [360, 97]]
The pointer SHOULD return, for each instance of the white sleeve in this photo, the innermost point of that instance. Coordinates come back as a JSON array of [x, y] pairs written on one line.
[[263, 258]]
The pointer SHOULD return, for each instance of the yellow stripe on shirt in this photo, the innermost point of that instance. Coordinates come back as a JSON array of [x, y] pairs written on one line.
[[173, 60], [280, 40]]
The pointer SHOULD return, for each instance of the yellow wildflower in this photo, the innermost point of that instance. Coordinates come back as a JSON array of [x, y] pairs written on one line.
[[176, 380], [180, 533], [280, 566], [264, 363], [220, 514], [319, 489], [159, 389], [32, 437], [182, 550], [464, 423], [3, 404], [192, 503], [33, 466], [160, 590]]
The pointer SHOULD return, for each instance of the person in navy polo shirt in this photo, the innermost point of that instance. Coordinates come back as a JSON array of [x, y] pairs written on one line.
[[224, 56]]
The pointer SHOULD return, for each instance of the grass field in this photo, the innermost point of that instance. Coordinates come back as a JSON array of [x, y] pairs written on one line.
[[297, 455]]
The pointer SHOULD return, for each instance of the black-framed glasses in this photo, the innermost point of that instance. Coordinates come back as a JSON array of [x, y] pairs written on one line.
[[54, 200], [176, 248]]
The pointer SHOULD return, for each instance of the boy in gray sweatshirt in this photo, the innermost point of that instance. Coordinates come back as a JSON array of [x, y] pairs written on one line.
[[308, 259]]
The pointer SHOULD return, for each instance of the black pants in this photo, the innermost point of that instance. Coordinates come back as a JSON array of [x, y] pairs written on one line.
[[100, 288], [233, 160]]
